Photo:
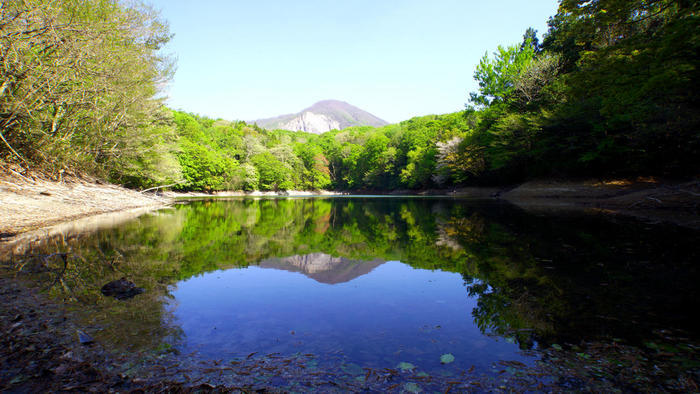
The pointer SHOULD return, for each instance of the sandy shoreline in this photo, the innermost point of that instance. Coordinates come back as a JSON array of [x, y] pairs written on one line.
[[30, 204]]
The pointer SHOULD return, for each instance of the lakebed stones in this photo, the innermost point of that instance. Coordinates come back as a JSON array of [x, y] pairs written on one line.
[[84, 338], [121, 289]]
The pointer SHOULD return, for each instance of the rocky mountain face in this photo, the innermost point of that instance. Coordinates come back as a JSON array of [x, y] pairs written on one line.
[[321, 117], [322, 267]]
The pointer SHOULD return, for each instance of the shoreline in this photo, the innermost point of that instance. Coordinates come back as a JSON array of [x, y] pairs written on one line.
[[28, 205], [649, 200], [34, 208]]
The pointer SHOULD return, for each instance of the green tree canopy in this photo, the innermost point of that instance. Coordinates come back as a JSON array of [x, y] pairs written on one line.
[[496, 76]]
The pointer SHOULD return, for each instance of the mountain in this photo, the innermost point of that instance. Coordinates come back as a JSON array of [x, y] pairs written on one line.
[[322, 267], [321, 117]]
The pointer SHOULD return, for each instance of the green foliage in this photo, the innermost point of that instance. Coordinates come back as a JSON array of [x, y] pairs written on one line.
[[316, 174], [78, 83], [222, 155], [404, 155], [419, 168], [497, 76], [238, 156], [273, 173], [150, 157], [530, 39], [247, 178], [204, 169], [611, 90], [629, 97]]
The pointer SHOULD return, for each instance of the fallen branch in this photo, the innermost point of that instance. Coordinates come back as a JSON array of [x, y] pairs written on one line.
[[21, 176], [160, 187], [10, 147]]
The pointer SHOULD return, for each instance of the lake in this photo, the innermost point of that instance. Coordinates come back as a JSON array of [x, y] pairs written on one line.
[[403, 293]]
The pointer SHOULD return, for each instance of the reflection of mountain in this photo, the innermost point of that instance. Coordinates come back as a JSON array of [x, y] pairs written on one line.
[[528, 272], [323, 267]]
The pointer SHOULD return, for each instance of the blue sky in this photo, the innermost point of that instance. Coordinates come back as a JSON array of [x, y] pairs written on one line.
[[248, 59]]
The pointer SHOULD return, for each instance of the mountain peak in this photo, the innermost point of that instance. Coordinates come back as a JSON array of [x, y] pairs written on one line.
[[323, 116]]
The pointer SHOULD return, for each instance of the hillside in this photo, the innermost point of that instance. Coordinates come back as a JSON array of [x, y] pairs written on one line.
[[323, 116]]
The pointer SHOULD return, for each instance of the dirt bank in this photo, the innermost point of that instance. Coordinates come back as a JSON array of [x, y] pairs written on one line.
[[29, 203], [645, 198]]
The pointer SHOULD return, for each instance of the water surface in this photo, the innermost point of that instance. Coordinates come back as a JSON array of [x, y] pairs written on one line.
[[377, 282]]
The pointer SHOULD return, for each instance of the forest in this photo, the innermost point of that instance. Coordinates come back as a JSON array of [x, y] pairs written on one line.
[[610, 90]]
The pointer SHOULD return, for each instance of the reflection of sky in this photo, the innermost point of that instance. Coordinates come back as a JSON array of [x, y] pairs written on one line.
[[393, 314]]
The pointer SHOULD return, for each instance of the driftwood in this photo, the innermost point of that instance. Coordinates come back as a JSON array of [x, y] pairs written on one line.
[[160, 187]]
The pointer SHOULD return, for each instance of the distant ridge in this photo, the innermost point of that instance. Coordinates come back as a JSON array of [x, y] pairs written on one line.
[[323, 116]]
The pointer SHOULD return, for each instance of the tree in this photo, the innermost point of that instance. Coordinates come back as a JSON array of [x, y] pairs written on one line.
[[530, 39], [629, 77], [456, 160], [273, 173], [247, 177], [496, 77], [79, 77], [533, 86], [419, 169], [316, 174], [205, 169], [150, 157]]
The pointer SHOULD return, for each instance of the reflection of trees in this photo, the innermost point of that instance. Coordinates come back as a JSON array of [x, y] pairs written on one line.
[[565, 279], [160, 249], [95, 259], [504, 277], [513, 311], [529, 274], [457, 230]]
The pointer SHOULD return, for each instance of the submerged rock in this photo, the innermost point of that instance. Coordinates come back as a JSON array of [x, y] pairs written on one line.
[[121, 289]]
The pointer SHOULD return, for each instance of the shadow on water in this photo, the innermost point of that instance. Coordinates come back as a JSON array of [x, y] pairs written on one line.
[[391, 283]]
